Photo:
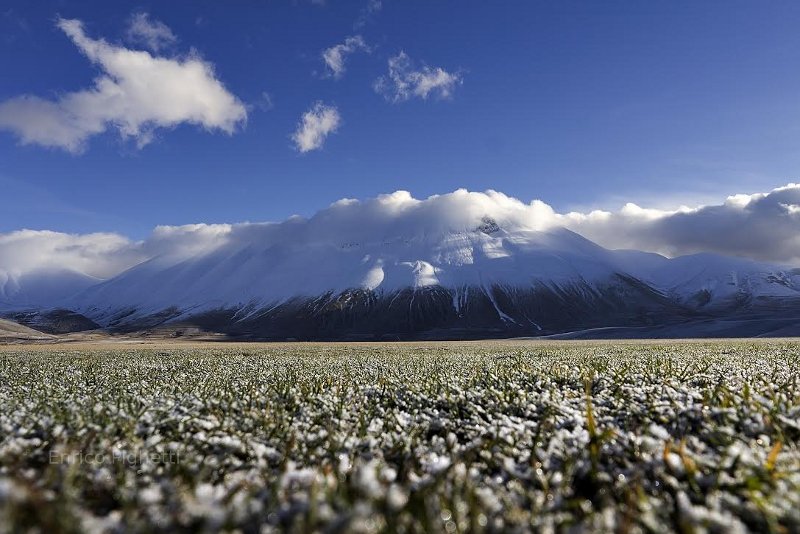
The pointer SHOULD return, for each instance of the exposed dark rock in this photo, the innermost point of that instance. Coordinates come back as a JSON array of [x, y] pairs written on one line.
[[54, 321]]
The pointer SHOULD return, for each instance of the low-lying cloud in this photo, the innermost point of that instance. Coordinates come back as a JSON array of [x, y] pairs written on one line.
[[762, 226], [136, 94], [99, 255]]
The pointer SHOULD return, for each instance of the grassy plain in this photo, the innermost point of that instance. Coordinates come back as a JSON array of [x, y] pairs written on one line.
[[406, 437]]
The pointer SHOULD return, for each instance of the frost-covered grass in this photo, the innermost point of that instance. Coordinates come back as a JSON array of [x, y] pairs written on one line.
[[441, 438]]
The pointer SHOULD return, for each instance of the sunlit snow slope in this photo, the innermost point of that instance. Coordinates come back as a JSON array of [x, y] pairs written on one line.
[[460, 265]]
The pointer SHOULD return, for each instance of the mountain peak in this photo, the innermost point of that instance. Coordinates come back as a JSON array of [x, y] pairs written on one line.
[[488, 225]]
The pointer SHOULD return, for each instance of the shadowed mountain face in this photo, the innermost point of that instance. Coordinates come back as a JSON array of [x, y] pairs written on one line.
[[478, 283], [57, 321], [441, 313]]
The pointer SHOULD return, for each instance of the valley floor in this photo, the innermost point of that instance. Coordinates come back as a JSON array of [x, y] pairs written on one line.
[[150, 435]]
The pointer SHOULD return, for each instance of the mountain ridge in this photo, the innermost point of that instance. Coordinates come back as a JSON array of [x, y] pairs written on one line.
[[482, 281]]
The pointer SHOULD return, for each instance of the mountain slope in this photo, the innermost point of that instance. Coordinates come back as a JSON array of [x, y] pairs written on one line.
[[711, 281], [41, 288], [443, 274], [240, 275], [484, 281]]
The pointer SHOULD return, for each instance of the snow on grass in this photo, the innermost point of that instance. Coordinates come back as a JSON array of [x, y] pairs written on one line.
[[441, 438]]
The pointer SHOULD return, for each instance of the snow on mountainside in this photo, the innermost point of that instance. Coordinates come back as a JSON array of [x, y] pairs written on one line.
[[263, 275], [522, 276], [712, 280], [41, 288], [457, 265]]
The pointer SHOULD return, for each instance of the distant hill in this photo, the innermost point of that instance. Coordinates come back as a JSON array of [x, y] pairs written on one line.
[[11, 331]]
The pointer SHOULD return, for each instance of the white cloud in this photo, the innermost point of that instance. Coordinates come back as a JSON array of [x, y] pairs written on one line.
[[404, 82], [154, 34], [334, 57], [315, 126], [40, 267], [102, 255], [763, 226], [99, 255], [136, 94]]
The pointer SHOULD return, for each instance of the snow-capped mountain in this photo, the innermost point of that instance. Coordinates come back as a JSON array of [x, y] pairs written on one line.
[[486, 280], [450, 267], [708, 280]]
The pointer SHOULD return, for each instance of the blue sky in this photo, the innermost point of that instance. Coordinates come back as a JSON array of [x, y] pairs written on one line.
[[579, 104]]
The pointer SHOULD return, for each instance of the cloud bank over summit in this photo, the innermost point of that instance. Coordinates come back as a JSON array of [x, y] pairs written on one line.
[[762, 226]]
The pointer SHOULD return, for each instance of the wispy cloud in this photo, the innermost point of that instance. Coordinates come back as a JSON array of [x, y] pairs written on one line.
[[335, 56], [15, 21], [315, 126], [371, 8], [265, 103], [136, 94], [404, 81], [153, 34]]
